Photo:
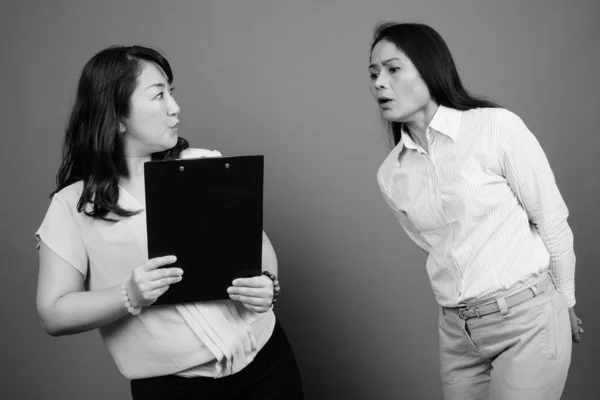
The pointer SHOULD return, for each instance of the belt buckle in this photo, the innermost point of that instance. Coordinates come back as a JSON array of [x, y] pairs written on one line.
[[463, 311]]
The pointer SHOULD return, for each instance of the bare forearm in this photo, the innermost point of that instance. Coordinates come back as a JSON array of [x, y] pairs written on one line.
[[83, 311]]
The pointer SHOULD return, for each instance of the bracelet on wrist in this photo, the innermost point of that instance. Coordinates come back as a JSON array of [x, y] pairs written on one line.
[[276, 287], [130, 308]]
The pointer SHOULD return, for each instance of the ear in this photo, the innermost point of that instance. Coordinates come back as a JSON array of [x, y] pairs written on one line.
[[122, 127]]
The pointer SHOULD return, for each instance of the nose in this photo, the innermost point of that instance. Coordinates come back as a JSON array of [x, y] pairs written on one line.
[[381, 82], [173, 108]]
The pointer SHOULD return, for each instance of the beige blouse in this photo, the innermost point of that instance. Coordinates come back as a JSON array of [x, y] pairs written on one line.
[[212, 339]]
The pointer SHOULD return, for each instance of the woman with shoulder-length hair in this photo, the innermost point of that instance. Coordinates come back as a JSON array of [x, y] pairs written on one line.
[[94, 266], [471, 186]]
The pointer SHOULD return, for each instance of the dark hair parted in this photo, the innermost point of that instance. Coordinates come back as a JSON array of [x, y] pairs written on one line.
[[93, 149], [430, 55]]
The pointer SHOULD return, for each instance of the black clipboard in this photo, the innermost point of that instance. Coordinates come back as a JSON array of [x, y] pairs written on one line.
[[209, 213]]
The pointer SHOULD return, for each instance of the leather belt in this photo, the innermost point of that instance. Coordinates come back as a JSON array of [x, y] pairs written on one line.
[[511, 301]]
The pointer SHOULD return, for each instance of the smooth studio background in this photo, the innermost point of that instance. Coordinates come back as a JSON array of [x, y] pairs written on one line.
[[288, 79]]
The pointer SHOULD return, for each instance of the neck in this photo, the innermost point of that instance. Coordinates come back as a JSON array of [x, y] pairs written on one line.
[[418, 126], [135, 167]]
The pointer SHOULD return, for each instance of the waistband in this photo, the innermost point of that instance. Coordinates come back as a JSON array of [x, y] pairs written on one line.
[[503, 303]]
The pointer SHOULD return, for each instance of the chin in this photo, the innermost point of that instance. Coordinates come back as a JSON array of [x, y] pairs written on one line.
[[392, 116], [166, 145], [172, 142]]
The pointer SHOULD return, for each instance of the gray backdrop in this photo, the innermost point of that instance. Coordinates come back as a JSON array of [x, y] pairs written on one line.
[[288, 79]]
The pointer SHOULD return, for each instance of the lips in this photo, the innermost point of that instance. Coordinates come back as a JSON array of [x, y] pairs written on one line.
[[384, 101]]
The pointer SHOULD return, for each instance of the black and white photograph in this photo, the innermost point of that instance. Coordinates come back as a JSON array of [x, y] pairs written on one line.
[[300, 200]]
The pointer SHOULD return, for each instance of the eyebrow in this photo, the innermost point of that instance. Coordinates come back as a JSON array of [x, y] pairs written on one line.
[[159, 85], [386, 62]]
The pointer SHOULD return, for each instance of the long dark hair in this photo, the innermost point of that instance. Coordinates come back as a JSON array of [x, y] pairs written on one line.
[[93, 147], [429, 53]]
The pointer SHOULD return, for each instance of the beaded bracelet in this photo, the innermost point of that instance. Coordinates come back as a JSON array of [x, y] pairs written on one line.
[[132, 310], [276, 288]]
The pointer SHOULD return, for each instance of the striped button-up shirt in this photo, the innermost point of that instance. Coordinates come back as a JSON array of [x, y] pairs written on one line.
[[482, 203]]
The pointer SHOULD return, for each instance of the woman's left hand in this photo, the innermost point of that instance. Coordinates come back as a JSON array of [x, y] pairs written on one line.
[[256, 293], [576, 329]]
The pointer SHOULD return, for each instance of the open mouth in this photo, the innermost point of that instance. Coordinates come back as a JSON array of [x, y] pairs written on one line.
[[383, 101]]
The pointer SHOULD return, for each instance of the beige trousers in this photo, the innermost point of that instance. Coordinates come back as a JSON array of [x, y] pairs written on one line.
[[524, 354]]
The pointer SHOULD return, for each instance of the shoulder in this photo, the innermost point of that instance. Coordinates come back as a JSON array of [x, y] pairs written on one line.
[[70, 194], [199, 153], [490, 115], [498, 116], [63, 205], [509, 125], [493, 122]]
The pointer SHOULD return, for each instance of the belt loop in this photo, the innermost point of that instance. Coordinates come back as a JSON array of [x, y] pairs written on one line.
[[503, 306], [535, 291]]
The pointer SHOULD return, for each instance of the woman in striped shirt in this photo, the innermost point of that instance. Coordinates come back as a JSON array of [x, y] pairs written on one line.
[[470, 185]]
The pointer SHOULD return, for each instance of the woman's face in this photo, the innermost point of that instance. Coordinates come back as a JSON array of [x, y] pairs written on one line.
[[152, 123], [397, 86]]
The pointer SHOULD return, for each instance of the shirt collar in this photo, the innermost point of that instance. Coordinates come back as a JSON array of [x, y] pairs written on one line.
[[407, 141], [446, 121]]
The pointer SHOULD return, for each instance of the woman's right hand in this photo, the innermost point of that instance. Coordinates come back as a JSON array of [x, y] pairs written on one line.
[[148, 281]]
